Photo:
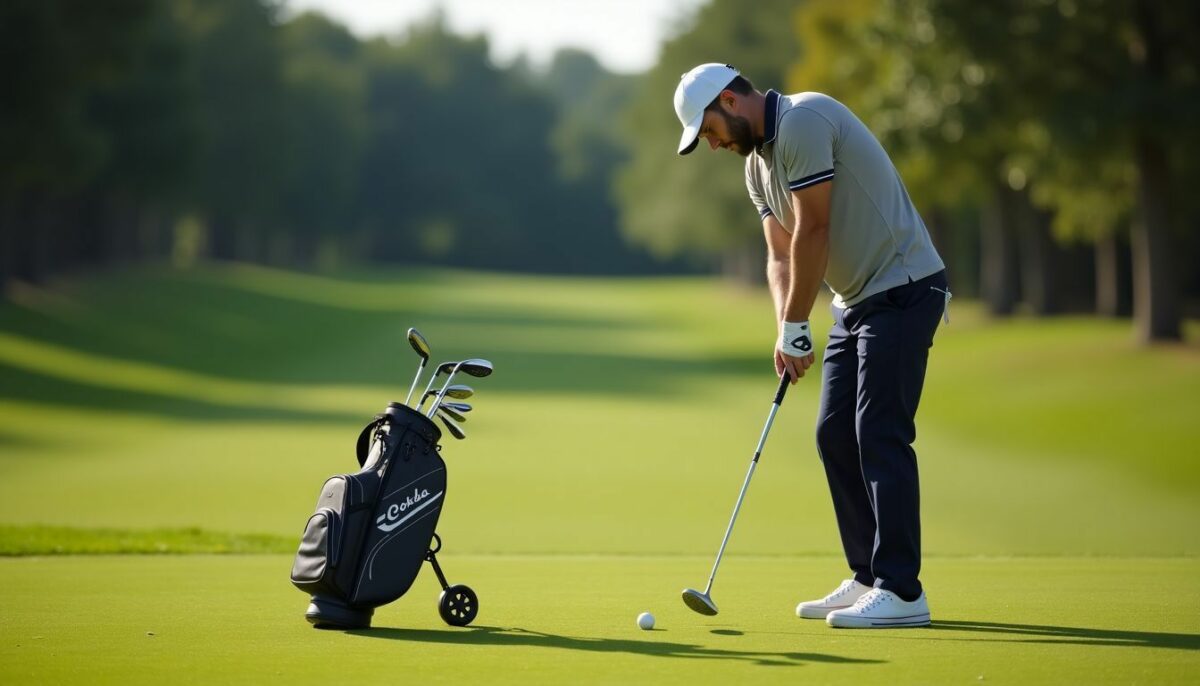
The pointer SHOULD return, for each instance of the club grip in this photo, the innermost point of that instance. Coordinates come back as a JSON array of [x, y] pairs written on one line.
[[784, 382]]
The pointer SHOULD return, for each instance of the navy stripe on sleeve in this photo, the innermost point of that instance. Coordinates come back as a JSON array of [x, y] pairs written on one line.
[[764, 212], [810, 180]]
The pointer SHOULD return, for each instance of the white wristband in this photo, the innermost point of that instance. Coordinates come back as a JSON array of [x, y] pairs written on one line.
[[796, 339]]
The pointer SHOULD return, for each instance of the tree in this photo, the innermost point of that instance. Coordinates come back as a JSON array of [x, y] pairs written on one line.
[[698, 207]]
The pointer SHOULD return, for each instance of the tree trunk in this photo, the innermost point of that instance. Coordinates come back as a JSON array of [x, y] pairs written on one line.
[[1155, 293], [1112, 277], [1040, 258], [998, 265], [1155, 297]]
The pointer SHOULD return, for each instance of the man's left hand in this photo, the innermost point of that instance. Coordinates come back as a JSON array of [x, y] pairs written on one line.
[[795, 352]]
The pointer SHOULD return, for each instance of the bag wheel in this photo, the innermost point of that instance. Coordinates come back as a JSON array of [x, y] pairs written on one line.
[[458, 605]]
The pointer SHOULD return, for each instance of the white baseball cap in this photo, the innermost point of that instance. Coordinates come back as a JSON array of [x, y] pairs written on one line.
[[697, 89]]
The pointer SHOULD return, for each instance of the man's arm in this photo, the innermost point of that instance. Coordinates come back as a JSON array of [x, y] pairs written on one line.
[[779, 272], [808, 257]]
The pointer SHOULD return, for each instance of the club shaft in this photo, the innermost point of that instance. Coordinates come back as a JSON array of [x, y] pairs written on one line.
[[742, 494], [416, 379]]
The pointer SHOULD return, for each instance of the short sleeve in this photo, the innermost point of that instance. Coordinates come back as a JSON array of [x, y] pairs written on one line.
[[804, 147], [754, 188]]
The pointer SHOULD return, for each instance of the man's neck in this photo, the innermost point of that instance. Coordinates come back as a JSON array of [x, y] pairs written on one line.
[[756, 113]]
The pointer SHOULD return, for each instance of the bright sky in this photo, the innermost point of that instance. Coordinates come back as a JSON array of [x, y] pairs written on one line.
[[623, 34]]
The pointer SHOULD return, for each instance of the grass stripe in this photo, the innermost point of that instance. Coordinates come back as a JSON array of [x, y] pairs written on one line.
[[28, 540]]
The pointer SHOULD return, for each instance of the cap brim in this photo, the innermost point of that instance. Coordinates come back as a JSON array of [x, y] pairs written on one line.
[[691, 135]]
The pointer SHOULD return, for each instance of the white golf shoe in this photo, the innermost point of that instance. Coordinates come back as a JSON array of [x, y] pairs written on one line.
[[842, 597], [880, 609]]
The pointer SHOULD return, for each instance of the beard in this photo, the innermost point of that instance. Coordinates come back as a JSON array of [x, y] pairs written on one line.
[[742, 136]]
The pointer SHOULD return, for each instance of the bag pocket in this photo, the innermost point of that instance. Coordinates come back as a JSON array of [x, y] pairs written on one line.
[[320, 550]]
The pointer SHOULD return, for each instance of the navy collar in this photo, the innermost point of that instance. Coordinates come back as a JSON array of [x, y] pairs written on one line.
[[770, 118]]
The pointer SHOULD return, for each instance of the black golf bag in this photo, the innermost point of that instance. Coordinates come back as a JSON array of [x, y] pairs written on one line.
[[364, 545]]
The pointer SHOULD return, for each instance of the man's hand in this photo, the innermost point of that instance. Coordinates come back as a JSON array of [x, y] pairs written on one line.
[[795, 352]]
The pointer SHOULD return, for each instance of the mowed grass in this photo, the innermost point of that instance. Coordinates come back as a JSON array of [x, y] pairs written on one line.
[[570, 619], [163, 411]]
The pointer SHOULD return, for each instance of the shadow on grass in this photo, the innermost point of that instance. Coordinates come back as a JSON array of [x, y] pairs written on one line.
[[1037, 633], [517, 637]]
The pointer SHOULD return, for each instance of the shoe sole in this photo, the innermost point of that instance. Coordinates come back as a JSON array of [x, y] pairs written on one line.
[[819, 612], [877, 623]]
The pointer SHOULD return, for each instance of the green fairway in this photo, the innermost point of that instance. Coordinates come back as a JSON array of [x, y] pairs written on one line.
[[200, 411], [570, 619]]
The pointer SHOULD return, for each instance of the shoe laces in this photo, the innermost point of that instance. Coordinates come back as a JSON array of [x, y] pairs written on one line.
[[842, 590], [870, 599]]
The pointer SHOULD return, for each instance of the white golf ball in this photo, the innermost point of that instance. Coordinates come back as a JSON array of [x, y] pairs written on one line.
[[646, 621]]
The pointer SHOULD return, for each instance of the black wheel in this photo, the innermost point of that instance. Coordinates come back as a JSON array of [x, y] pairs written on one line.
[[458, 605]]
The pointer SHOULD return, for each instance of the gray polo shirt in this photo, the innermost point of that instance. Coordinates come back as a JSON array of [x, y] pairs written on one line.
[[877, 240]]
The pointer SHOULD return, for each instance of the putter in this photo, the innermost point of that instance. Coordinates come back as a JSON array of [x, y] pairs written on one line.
[[475, 367], [419, 344], [703, 602]]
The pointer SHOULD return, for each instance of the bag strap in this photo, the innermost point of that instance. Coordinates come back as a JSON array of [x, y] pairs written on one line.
[[363, 447]]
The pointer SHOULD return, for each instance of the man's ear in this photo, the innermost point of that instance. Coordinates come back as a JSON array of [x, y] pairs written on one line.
[[729, 101]]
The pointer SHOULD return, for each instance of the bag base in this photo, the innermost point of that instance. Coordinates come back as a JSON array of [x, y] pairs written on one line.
[[330, 613]]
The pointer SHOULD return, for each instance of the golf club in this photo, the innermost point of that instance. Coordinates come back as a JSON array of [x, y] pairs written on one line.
[[456, 391], [419, 344], [458, 407], [454, 429], [443, 368], [452, 414], [703, 602], [475, 367]]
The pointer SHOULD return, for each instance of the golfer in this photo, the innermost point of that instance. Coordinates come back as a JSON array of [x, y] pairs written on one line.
[[833, 209]]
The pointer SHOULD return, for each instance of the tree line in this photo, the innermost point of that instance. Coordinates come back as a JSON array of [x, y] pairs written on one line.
[[153, 129], [1051, 145]]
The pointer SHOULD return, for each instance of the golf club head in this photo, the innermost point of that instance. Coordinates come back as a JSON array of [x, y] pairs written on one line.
[[458, 407], [418, 343], [699, 602], [454, 429], [476, 367], [451, 413], [460, 392]]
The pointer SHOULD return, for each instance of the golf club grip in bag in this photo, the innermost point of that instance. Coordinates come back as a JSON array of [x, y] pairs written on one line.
[[366, 541]]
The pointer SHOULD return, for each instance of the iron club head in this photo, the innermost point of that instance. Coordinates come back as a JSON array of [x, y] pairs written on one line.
[[454, 429], [451, 413], [699, 602]]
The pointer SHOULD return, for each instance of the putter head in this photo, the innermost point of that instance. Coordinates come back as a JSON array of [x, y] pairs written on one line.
[[418, 343], [699, 602]]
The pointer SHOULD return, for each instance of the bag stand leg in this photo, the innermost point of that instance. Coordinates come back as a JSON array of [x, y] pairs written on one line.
[[457, 604]]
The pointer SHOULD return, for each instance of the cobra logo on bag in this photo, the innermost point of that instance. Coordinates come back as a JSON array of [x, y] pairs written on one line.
[[400, 512]]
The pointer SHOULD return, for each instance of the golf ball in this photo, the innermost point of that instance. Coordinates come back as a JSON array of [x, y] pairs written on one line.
[[646, 621]]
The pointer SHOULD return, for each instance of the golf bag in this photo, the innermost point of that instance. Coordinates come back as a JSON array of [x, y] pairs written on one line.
[[364, 545]]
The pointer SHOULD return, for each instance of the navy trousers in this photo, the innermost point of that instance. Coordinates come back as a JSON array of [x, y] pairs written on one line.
[[874, 369]]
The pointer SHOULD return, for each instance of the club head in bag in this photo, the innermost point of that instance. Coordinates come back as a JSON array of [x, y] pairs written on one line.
[[699, 602], [454, 429], [474, 366], [460, 392], [458, 407], [421, 346], [452, 414]]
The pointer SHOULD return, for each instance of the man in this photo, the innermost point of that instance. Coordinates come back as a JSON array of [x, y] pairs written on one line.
[[833, 208]]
